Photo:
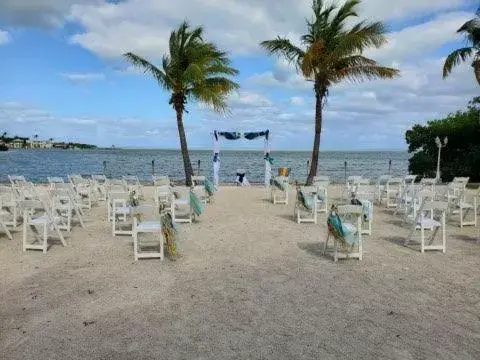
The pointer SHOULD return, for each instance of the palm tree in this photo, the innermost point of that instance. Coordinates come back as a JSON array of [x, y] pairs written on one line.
[[471, 30], [192, 70], [331, 52]]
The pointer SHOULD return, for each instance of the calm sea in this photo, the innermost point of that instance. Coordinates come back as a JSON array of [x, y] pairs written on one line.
[[37, 165]]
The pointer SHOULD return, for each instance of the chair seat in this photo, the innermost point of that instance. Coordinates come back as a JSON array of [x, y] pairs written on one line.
[[464, 205], [45, 219], [149, 226], [428, 223], [124, 210], [182, 202]]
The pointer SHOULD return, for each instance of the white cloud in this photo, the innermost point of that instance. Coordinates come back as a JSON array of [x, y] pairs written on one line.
[[83, 77], [42, 13], [420, 40], [143, 26], [297, 100], [243, 99], [4, 37]]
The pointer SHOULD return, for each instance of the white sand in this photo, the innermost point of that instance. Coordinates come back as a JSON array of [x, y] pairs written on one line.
[[251, 284]]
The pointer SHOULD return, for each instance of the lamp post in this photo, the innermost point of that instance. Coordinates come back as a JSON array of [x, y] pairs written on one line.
[[440, 146]]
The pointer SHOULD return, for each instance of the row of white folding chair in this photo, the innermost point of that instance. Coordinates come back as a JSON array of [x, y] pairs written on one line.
[[8, 210], [100, 183], [198, 184]]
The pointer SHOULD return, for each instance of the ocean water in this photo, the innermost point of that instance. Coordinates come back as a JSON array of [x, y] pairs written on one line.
[[37, 165]]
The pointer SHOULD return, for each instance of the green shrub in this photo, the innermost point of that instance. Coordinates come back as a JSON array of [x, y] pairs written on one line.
[[461, 156]]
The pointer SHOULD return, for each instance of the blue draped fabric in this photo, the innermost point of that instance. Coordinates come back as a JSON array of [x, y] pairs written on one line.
[[235, 135]]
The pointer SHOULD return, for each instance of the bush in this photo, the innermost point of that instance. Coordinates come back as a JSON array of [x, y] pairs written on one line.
[[461, 156]]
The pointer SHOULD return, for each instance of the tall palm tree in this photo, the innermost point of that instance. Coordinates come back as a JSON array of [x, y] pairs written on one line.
[[471, 30], [192, 70], [331, 52]]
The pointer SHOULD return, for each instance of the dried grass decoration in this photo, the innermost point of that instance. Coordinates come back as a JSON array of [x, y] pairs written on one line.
[[169, 234]]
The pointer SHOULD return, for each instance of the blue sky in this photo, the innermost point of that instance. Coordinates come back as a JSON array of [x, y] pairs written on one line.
[[62, 75]]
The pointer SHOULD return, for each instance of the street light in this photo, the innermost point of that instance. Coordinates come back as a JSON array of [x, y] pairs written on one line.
[[440, 146]]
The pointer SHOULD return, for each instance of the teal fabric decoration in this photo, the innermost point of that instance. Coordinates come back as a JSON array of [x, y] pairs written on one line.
[[306, 200], [279, 184], [209, 187], [197, 205], [344, 231], [268, 158], [254, 135]]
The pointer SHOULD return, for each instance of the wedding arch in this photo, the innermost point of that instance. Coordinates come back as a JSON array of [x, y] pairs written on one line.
[[236, 136]]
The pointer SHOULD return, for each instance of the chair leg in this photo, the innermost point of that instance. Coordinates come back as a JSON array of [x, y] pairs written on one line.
[[45, 238], [326, 243], [162, 255], [422, 239], [24, 240], [59, 233], [4, 227], [461, 217], [444, 239], [135, 245]]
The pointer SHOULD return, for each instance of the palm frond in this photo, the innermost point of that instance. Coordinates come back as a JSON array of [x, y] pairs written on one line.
[[455, 58], [283, 47], [143, 64], [348, 9], [362, 73], [213, 92]]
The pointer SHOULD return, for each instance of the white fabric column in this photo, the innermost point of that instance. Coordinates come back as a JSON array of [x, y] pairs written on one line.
[[268, 167], [216, 162]]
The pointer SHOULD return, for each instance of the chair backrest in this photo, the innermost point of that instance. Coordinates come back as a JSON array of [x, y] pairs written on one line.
[[198, 180], [131, 179], [308, 189], [99, 178], [146, 212], [409, 179], [54, 179], [16, 178], [395, 181], [356, 210], [321, 178], [159, 180], [461, 180], [382, 180]]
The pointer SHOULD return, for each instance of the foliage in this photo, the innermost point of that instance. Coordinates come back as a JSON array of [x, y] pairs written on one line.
[[192, 70], [331, 52], [461, 156], [471, 31]]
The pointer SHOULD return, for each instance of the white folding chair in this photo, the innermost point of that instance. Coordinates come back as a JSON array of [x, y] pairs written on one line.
[[181, 208], [306, 208], [160, 180], [464, 204], [121, 214], [280, 196], [430, 216], [133, 184], [55, 180], [100, 184], [428, 183], [146, 219], [393, 190], [198, 183], [380, 188], [351, 219], [36, 214], [9, 206], [322, 183]]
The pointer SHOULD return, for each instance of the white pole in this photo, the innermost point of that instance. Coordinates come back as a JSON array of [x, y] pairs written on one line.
[[438, 163]]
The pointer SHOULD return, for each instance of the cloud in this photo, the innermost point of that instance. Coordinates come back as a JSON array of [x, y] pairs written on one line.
[[83, 77], [143, 26], [244, 99], [420, 40], [4, 37], [297, 100], [38, 13]]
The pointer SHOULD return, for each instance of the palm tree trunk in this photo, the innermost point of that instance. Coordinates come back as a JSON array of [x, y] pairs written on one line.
[[476, 69], [183, 146], [319, 96]]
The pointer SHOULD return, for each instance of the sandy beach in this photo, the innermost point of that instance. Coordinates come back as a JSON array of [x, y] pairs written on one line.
[[251, 284]]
